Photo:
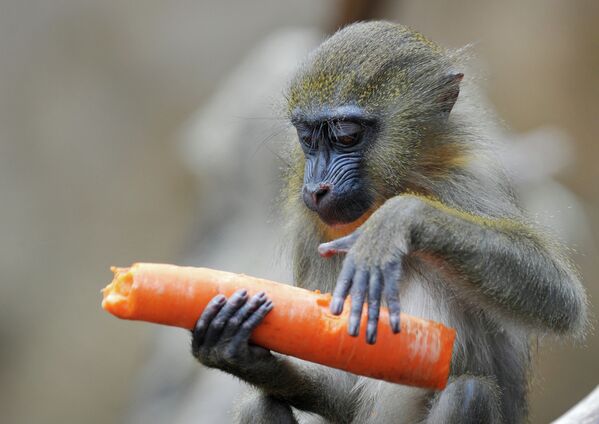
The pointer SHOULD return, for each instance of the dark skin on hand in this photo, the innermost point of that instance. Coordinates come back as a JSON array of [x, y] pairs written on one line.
[[364, 284], [225, 326], [387, 172]]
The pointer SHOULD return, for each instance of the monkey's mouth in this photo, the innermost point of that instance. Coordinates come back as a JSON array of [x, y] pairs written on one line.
[[341, 218], [337, 230], [341, 211]]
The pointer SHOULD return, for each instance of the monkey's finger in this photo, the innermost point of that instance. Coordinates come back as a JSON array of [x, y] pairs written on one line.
[[245, 331], [216, 327], [392, 275], [242, 314], [375, 289], [343, 285], [199, 331], [340, 245], [358, 293]]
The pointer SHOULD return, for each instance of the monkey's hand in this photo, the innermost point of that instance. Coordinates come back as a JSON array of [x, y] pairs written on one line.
[[372, 267], [220, 338]]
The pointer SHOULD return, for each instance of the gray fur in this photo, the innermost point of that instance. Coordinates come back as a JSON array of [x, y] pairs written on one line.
[[498, 287]]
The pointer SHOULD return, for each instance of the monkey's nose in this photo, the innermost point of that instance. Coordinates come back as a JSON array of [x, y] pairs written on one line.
[[320, 192], [316, 193]]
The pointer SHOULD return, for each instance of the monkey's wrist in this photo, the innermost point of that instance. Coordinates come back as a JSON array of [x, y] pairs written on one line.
[[279, 377], [264, 372]]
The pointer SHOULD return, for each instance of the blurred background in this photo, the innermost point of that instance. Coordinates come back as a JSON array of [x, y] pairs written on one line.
[[149, 131]]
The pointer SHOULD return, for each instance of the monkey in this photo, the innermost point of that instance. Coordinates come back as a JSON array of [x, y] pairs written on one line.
[[394, 197]]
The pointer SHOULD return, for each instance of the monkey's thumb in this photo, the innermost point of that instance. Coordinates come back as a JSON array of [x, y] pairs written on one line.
[[340, 245]]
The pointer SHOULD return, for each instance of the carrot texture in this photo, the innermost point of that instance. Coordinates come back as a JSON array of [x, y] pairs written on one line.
[[299, 325]]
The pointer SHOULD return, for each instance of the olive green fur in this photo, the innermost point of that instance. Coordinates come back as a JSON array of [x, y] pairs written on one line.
[[392, 73]]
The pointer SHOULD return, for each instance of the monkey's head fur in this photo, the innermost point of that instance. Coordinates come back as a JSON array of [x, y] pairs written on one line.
[[372, 109]]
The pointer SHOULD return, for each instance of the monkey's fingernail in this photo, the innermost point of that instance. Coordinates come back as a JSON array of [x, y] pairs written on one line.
[[395, 327], [371, 333], [326, 252], [258, 301], [220, 299], [336, 306], [354, 326]]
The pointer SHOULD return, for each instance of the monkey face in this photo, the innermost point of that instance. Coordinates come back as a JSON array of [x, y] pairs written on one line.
[[335, 185]]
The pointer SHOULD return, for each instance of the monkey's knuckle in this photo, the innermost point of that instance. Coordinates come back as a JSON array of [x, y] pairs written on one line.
[[218, 324], [247, 326], [375, 305], [376, 273], [344, 280]]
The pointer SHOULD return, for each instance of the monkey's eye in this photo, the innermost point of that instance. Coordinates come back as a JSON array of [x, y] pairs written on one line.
[[306, 136], [346, 133]]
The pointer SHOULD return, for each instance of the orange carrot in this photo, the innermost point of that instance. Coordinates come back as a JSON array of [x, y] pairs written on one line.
[[299, 325]]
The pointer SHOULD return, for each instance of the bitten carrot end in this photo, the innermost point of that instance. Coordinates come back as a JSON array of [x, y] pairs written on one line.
[[116, 298]]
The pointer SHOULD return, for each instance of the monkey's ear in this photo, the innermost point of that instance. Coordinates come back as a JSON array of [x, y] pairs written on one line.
[[450, 89]]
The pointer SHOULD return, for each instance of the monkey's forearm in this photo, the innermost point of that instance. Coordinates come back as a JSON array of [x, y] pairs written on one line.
[[502, 261], [306, 386]]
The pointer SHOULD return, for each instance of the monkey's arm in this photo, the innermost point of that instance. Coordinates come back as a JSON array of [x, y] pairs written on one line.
[[221, 340], [466, 399], [501, 262]]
